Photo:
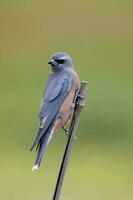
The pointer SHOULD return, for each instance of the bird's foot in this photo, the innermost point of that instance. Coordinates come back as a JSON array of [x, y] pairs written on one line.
[[80, 96], [67, 132], [77, 95]]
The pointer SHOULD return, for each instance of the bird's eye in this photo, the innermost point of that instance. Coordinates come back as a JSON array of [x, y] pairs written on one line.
[[60, 61]]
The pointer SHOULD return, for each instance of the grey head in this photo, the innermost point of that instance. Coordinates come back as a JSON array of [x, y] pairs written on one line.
[[60, 60]]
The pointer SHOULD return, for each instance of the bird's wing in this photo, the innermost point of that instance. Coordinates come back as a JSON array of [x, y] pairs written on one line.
[[54, 96]]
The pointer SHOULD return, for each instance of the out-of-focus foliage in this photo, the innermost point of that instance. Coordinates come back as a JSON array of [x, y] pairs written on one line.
[[99, 36]]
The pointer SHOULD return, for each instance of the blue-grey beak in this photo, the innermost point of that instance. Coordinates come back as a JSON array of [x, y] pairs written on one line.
[[52, 62]]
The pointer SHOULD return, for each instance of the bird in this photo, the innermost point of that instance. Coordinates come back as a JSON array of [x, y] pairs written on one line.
[[58, 101]]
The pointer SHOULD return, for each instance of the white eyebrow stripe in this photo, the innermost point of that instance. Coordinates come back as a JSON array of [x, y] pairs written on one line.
[[63, 58]]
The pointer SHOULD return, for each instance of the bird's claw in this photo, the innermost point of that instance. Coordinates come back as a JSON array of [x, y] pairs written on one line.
[[68, 133], [80, 96]]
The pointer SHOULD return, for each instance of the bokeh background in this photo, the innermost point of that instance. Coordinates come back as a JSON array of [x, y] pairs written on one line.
[[99, 36]]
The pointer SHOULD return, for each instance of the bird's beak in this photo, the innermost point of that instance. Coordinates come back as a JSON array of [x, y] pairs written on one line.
[[52, 62]]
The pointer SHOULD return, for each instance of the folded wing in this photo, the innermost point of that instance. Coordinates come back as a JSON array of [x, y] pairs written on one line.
[[54, 95]]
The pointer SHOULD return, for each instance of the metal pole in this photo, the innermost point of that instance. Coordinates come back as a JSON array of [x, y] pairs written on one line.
[[72, 130]]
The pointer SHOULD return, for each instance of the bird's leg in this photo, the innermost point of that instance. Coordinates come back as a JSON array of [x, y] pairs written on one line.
[[74, 99], [67, 132]]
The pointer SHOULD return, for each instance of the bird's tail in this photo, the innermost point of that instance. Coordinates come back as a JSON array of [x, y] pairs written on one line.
[[41, 147]]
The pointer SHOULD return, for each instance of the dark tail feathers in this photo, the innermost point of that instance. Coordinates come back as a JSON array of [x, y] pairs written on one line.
[[41, 147]]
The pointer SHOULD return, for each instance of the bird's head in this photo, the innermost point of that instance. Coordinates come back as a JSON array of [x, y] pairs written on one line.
[[59, 61]]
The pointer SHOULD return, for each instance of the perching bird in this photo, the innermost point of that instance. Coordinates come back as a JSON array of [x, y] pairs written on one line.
[[58, 101]]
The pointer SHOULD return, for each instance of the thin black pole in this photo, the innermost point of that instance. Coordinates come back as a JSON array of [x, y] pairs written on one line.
[[72, 130]]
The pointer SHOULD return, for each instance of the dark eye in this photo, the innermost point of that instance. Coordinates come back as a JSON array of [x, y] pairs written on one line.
[[61, 61]]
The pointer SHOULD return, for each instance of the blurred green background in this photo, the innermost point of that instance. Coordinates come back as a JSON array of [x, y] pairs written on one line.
[[99, 36]]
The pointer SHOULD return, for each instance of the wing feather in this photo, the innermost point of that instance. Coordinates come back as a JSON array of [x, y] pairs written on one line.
[[53, 98]]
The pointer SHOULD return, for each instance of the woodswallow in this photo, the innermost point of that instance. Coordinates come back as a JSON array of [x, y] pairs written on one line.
[[58, 101]]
